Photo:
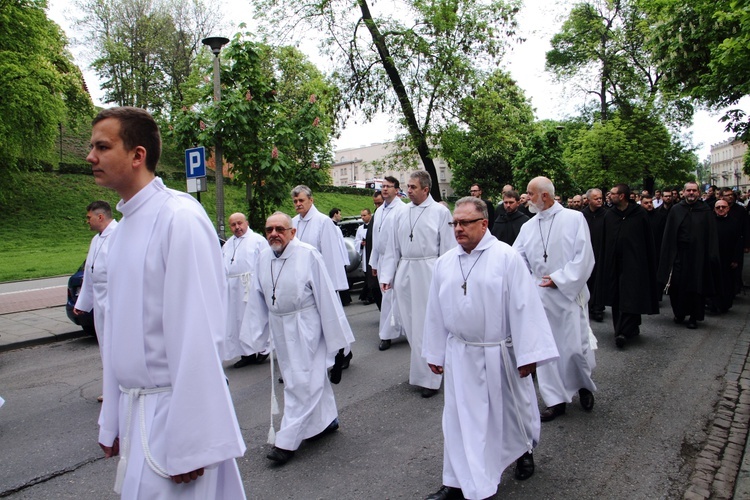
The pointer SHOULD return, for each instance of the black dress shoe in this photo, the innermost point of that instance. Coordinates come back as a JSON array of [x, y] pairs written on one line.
[[597, 316], [524, 467], [620, 340], [552, 412], [384, 345], [692, 324], [338, 366], [428, 393], [586, 398], [679, 319], [259, 358], [332, 427], [446, 493], [280, 455], [347, 360], [246, 361]]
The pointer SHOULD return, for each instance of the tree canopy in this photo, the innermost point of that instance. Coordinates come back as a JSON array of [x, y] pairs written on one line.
[[42, 87], [276, 120], [416, 61]]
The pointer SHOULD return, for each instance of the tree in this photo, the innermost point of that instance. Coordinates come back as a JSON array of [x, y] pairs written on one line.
[[145, 49], [602, 46], [418, 65], [542, 154], [42, 87], [638, 151], [493, 123], [703, 47], [276, 120]]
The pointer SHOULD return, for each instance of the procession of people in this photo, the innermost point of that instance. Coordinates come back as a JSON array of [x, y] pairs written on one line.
[[493, 302]]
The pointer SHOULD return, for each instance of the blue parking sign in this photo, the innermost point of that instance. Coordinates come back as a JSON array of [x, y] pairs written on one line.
[[195, 162]]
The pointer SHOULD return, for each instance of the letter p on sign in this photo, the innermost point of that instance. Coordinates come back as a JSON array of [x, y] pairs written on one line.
[[195, 162]]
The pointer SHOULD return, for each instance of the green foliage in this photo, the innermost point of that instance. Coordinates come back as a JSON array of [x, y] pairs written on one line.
[[638, 151], [704, 49], [542, 155], [275, 119], [41, 87], [496, 119]]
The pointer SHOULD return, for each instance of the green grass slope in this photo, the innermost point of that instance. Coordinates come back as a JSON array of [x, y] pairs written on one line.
[[43, 230]]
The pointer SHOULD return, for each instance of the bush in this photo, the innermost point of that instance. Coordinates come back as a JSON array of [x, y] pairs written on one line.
[[346, 190], [74, 168]]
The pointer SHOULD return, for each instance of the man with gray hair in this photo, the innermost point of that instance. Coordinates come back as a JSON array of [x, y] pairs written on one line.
[[594, 215], [556, 246], [294, 302], [419, 236], [487, 332]]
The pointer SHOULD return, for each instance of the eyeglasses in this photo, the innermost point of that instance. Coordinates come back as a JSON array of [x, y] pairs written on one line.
[[278, 229], [721, 207], [387, 186], [464, 223]]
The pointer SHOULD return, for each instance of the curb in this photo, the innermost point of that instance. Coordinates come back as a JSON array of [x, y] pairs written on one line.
[[48, 339], [717, 473]]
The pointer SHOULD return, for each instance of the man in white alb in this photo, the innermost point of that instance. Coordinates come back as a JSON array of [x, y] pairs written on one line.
[[315, 229], [240, 254], [93, 293], [167, 410], [486, 331], [382, 225], [294, 302], [556, 246], [420, 234]]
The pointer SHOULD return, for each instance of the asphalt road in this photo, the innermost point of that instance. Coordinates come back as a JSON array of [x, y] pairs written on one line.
[[640, 441]]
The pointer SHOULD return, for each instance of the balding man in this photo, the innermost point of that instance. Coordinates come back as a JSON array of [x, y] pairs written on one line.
[[556, 246], [240, 255]]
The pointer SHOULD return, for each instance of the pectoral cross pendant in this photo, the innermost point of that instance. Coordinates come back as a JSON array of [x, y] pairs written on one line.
[[464, 287], [273, 299], [411, 237], [545, 256]]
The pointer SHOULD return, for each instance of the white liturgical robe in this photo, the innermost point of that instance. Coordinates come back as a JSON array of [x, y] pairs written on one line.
[[319, 231], [93, 293], [420, 235], [166, 284], [491, 416], [294, 302], [240, 258], [385, 215], [359, 239], [563, 236]]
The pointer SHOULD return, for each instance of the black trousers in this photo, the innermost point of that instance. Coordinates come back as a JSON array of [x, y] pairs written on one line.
[[627, 324], [687, 304]]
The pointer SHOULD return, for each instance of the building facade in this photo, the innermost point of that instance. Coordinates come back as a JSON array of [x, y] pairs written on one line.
[[727, 158], [352, 166]]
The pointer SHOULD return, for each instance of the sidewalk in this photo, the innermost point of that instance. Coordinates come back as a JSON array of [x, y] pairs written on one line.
[[33, 312]]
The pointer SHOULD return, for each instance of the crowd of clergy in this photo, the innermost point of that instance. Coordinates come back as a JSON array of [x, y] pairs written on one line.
[[487, 298]]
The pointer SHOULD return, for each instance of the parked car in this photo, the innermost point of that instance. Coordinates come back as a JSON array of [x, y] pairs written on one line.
[[85, 320], [354, 273]]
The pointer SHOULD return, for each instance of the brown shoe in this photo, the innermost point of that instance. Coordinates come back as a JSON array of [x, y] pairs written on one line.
[[552, 412]]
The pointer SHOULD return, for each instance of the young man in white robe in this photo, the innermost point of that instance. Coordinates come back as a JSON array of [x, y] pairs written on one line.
[[294, 301], [556, 246], [486, 332], [419, 236], [240, 254], [167, 410], [315, 229], [93, 294], [383, 220]]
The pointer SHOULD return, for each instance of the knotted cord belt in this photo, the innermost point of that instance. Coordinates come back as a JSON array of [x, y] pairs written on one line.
[[136, 395]]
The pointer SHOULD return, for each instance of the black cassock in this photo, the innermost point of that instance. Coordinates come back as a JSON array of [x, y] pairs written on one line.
[[689, 259], [626, 271]]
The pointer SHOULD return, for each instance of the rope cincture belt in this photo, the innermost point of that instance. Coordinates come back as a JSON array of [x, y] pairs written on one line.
[[511, 375], [136, 395]]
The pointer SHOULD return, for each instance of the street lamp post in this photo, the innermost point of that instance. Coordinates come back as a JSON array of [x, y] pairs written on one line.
[[216, 43]]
